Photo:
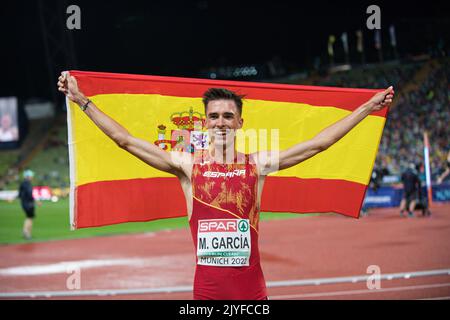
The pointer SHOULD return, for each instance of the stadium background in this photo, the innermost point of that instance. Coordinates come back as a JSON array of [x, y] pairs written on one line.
[[279, 42]]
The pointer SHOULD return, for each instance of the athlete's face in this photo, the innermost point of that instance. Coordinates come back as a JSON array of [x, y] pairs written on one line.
[[222, 121]]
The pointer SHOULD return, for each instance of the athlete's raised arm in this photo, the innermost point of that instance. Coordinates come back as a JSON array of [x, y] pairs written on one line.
[[326, 138], [144, 150]]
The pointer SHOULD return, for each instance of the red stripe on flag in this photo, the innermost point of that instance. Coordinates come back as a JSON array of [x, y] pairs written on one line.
[[94, 83], [110, 202], [290, 194]]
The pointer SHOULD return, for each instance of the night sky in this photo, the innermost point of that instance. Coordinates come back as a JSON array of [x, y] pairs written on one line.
[[182, 38]]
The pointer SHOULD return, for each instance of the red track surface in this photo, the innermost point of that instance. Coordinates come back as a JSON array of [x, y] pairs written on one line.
[[292, 249]]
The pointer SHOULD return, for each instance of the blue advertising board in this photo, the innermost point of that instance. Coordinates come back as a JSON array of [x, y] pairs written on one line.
[[391, 197]]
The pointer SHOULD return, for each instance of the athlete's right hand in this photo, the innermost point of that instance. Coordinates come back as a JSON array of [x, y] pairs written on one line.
[[68, 85]]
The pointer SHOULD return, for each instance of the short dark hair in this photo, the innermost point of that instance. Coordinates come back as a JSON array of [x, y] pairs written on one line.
[[222, 94]]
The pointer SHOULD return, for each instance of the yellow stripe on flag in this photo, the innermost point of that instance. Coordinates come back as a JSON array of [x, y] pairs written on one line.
[[97, 158]]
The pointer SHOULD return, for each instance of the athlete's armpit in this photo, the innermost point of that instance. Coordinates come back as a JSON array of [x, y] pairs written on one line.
[[266, 161]]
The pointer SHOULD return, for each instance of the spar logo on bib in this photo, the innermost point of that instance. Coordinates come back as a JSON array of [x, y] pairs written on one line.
[[243, 226], [218, 225]]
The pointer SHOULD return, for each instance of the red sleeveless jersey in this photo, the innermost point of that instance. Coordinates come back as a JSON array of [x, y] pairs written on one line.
[[224, 227]]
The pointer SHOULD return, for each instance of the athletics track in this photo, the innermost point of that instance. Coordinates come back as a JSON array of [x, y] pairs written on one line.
[[319, 257]]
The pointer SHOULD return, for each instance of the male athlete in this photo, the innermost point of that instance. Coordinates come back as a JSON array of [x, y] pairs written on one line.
[[223, 190]]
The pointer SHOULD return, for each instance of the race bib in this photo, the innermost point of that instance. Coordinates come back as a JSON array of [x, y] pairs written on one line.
[[224, 242]]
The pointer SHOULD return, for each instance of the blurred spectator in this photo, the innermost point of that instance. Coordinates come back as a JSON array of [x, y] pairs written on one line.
[[422, 198], [446, 173], [411, 187], [27, 202], [376, 178]]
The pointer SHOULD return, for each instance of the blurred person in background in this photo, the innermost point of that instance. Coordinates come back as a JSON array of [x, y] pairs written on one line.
[[376, 178], [411, 186], [27, 202], [422, 196], [446, 173], [375, 182]]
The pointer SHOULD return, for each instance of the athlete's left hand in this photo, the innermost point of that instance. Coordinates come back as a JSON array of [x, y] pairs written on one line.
[[381, 99]]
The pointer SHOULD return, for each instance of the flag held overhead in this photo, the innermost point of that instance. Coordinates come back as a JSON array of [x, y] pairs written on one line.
[[109, 186]]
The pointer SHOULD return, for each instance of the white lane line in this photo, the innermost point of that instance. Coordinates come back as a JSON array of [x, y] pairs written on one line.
[[356, 292], [178, 289], [65, 266], [79, 293], [69, 266], [361, 278]]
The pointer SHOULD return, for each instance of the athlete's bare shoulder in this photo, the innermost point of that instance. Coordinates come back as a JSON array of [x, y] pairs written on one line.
[[265, 161]]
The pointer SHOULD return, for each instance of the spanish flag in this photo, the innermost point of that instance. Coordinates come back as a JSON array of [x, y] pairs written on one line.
[[110, 186]]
